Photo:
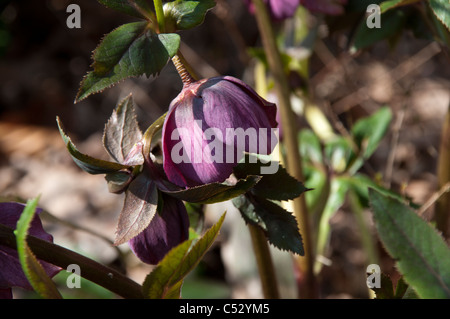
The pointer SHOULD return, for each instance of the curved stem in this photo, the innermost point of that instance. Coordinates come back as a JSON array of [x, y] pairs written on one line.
[[307, 281], [264, 262]]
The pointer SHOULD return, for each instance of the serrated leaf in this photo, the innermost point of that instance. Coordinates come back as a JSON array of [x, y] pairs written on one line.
[[441, 9], [131, 50], [279, 225], [85, 162], [277, 186], [422, 255], [141, 201], [166, 279], [387, 5], [214, 192], [122, 131], [361, 184], [136, 8], [33, 270], [184, 15]]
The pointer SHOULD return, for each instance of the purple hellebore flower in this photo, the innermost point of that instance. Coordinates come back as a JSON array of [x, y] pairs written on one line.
[[11, 273], [166, 230], [208, 127]]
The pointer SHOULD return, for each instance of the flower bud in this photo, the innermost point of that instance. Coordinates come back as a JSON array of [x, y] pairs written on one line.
[[208, 127], [166, 230]]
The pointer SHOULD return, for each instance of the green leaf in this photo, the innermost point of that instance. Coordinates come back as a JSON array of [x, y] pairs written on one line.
[[131, 50], [422, 255], [386, 290], [441, 8], [387, 5], [278, 185], [85, 162], [391, 24], [141, 202], [279, 225], [149, 133], [33, 270], [214, 192], [184, 15], [136, 8], [122, 131], [339, 153], [368, 132], [361, 184], [166, 279]]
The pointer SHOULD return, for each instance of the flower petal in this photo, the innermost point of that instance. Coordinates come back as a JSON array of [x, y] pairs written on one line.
[[11, 273], [166, 230]]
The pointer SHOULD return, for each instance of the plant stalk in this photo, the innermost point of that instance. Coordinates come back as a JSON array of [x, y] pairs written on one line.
[[180, 64], [306, 279], [160, 15], [264, 261]]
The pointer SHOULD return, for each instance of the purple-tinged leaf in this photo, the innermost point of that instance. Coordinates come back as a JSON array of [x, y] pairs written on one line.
[[141, 201], [122, 131], [87, 163]]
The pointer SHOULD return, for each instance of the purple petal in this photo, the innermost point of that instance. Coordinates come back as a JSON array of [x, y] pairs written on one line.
[[166, 230], [11, 273], [283, 9]]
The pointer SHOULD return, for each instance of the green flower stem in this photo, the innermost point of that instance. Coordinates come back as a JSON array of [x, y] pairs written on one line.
[[160, 15], [366, 236], [306, 279], [102, 275], [264, 261]]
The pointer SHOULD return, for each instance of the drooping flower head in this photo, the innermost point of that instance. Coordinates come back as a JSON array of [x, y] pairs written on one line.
[[209, 126], [11, 273]]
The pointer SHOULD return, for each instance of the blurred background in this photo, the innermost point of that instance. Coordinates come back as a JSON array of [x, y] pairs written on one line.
[[42, 62]]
